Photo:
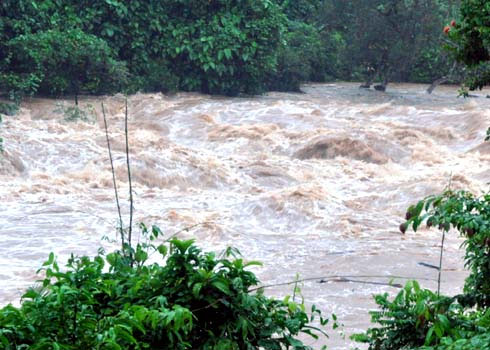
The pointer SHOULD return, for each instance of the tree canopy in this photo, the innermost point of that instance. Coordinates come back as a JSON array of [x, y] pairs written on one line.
[[471, 38], [222, 47]]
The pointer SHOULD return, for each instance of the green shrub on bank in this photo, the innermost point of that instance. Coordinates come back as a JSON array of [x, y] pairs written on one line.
[[9, 108], [470, 216], [414, 318], [219, 47], [420, 319], [60, 62], [303, 58], [195, 300]]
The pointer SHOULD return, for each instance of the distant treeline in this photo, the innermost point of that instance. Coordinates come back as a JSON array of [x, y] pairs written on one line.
[[230, 47]]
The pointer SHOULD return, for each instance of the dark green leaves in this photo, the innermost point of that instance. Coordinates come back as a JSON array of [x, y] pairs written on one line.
[[211, 46], [193, 301], [418, 318], [58, 62], [470, 216]]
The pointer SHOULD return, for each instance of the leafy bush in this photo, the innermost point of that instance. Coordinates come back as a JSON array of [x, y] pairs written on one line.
[[416, 317], [158, 76], [56, 63], [195, 300], [471, 41], [223, 47], [9, 108], [211, 46], [302, 58], [432, 65], [469, 215], [75, 113], [419, 318]]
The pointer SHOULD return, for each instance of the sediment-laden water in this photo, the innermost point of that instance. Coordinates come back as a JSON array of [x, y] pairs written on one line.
[[314, 184]]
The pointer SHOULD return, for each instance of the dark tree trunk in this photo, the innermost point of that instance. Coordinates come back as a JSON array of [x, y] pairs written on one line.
[[385, 76], [371, 74], [436, 83], [442, 80]]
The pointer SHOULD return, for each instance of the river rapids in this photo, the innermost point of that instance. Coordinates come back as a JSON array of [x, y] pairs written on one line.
[[313, 185]]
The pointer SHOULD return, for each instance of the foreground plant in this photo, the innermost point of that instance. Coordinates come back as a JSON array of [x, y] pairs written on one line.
[[470, 216], [421, 319], [415, 317], [195, 300]]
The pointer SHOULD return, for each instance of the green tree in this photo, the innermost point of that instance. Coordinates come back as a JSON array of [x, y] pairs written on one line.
[[225, 47], [471, 38], [301, 58], [391, 40], [57, 63]]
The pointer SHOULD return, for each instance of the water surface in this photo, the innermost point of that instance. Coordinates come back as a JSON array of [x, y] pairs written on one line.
[[314, 184]]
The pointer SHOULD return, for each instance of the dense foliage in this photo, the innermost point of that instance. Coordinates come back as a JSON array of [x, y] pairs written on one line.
[[471, 40], [419, 318], [470, 216], [212, 46], [217, 46], [390, 40], [55, 62], [195, 300]]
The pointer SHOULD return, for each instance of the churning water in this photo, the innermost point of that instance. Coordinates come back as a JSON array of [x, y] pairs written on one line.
[[314, 184]]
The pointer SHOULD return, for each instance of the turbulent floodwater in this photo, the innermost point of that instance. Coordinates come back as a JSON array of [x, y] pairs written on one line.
[[314, 184]]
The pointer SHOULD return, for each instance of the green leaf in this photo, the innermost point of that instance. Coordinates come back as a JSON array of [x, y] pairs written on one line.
[[227, 53], [4, 340], [196, 289], [140, 255], [222, 286], [428, 337], [444, 321], [50, 260], [182, 246], [253, 263], [162, 249], [30, 294]]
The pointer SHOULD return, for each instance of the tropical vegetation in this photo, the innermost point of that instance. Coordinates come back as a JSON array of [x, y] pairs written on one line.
[[54, 47], [194, 300]]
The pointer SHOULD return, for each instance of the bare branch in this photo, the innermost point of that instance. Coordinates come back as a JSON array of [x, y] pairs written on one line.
[[121, 230], [130, 229], [343, 278]]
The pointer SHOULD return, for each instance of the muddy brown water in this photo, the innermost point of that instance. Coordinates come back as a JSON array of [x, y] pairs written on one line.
[[314, 184]]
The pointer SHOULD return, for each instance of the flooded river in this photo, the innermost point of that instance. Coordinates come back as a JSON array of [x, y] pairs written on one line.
[[314, 184]]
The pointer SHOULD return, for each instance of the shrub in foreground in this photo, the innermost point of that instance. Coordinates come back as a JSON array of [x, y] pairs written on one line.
[[420, 319], [195, 300]]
